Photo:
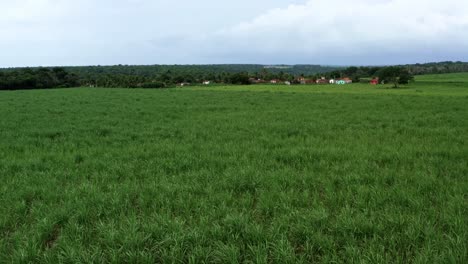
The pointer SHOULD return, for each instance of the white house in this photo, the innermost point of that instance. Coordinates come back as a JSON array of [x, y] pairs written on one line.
[[332, 81], [206, 82]]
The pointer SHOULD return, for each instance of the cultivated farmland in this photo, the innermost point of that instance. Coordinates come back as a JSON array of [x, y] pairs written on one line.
[[259, 174]]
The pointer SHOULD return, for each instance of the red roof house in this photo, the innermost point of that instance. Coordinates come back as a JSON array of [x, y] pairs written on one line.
[[347, 80]]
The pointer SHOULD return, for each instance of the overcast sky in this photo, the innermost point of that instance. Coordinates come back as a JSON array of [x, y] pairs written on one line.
[[332, 32]]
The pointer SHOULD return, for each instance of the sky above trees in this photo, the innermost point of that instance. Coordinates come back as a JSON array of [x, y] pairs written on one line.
[[332, 32]]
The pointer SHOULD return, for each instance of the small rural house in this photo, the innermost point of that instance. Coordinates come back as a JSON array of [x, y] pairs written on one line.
[[254, 80], [274, 81], [343, 81], [206, 82], [374, 81], [322, 81]]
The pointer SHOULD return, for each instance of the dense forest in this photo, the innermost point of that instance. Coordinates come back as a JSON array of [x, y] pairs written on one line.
[[437, 67], [160, 76], [153, 76], [38, 78]]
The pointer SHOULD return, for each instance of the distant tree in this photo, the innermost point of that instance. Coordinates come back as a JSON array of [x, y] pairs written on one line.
[[395, 75], [351, 71], [153, 85], [356, 79], [405, 77], [239, 78], [264, 74]]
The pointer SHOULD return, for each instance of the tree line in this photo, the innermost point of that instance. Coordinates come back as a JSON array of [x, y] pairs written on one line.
[[40, 78], [161, 76]]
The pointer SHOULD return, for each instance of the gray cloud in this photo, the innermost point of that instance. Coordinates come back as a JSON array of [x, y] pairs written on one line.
[[65, 32], [361, 32]]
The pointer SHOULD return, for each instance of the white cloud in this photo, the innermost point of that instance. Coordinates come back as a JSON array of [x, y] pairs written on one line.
[[70, 32], [346, 29]]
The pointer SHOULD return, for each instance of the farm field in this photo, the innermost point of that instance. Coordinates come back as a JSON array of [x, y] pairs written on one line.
[[444, 78], [236, 174]]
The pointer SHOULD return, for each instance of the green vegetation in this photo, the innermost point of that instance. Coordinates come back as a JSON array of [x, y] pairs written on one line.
[[160, 76], [438, 67], [39, 78], [260, 174], [164, 76], [444, 78], [395, 75]]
